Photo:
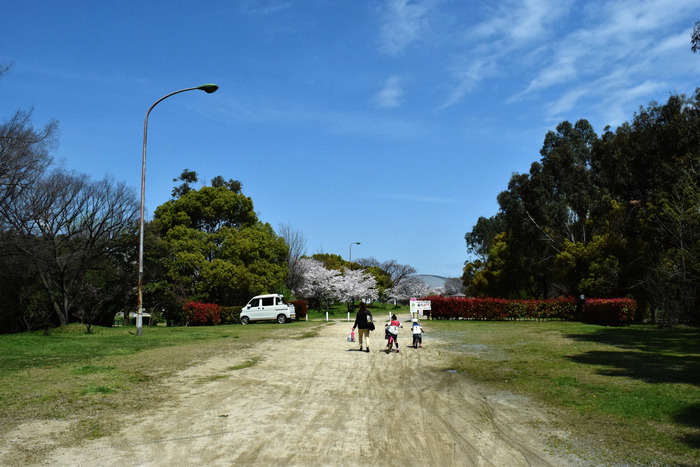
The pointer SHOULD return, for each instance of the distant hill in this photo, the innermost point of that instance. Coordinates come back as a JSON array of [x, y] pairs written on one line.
[[431, 281]]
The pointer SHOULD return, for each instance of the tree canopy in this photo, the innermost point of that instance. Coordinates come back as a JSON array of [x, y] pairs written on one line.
[[607, 216], [209, 245]]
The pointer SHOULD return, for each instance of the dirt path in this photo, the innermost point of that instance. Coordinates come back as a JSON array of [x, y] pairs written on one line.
[[318, 401]]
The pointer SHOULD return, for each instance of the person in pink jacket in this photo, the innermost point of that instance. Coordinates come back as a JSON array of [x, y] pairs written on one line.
[[393, 329]]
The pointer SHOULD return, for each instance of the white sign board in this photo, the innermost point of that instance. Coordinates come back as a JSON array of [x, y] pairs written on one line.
[[419, 306]]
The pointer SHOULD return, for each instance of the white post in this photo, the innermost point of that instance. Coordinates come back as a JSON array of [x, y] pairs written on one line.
[[348, 316], [326, 316]]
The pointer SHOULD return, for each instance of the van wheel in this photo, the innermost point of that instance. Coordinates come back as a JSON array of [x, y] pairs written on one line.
[[281, 319], [245, 320]]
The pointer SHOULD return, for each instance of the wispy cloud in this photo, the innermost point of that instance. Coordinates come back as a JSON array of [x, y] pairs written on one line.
[[265, 7], [390, 95], [404, 22], [622, 53], [510, 28]]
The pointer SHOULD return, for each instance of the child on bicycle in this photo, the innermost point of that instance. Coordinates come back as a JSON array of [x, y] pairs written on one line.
[[417, 334], [392, 332]]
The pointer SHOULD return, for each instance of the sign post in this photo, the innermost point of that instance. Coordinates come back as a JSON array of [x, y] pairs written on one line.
[[419, 307]]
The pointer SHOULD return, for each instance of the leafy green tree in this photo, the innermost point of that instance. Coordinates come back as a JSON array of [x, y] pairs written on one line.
[[480, 238], [257, 259], [610, 216], [187, 177], [211, 247], [207, 209], [330, 261]]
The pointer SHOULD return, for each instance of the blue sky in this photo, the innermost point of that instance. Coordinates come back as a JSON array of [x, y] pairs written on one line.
[[393, 123]]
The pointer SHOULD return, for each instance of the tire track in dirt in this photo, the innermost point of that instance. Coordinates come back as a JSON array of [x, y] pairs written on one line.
[[318, 401]]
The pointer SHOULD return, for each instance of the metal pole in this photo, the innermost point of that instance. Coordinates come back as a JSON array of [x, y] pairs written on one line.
[[208, 88], [353, 243]]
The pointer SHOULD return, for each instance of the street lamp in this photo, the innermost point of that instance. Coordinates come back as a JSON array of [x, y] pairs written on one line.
[[208, 88], [353, 243]]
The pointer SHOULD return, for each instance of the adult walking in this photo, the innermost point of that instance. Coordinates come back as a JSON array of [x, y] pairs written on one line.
[[363, 323]]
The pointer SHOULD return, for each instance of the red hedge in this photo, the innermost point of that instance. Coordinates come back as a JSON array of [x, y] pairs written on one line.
[[201, 314], [609, 311], [494, 309], [301, 308]]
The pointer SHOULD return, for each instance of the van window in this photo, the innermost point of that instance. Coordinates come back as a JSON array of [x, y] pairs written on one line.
[[268, 301], [254, 302]]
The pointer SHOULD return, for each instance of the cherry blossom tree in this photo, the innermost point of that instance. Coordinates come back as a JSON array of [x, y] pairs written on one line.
[[328, 285], [355, 284], [407, 288], [317, 281]]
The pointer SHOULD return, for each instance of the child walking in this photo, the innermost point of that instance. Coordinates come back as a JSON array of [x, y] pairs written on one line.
[[417, 334]]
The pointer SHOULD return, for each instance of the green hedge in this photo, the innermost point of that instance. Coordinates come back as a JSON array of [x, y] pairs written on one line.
[[231, 314]]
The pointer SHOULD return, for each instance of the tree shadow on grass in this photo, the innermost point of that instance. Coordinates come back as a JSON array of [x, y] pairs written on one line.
[[644, 366], [653, 356], [647, 354], [690, 416]]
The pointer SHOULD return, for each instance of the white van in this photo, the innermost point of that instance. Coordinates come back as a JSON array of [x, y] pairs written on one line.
[[267, 307]]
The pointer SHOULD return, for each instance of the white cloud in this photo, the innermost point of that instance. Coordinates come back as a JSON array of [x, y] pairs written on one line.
[[511, 28], [404, 22], [468, 77], [390, 95]]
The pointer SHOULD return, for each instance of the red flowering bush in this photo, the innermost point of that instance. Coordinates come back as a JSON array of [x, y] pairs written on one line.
[[201, 314]]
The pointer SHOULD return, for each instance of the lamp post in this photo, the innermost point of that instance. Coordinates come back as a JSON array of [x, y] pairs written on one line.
[[208, 88], [353, 243]]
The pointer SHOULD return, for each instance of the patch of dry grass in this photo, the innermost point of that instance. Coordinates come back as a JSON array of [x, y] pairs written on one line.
[[94, 380]]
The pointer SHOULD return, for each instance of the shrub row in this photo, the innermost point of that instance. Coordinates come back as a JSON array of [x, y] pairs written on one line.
[[231, 314], [609, 311], [494, 309], [210, 314], [201, 314], [301, 308]]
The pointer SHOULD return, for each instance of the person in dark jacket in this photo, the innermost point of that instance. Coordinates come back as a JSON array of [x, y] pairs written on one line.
[[362, 320]]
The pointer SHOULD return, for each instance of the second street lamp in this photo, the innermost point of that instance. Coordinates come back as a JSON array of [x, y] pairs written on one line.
[[353, 243], [208, 88]]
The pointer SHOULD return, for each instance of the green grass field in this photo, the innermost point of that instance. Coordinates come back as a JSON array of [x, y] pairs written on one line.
[[634, 390]]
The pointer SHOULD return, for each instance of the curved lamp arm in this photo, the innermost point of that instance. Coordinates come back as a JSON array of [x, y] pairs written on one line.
[[208, 88]]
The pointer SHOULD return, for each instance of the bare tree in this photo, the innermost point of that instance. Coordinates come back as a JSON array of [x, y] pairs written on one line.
[[296, 241], [396, 271], [24, 155], [454, 286], [64, 225]]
